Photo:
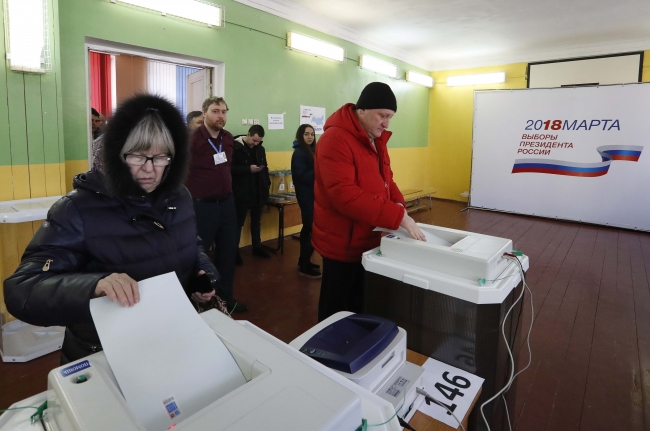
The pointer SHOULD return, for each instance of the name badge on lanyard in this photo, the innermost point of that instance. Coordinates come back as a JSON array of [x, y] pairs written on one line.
[[220, 157]]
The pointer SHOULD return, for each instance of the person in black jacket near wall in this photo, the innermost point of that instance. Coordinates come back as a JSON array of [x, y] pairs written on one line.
[[302, 172], [132, 221], [250, 184]]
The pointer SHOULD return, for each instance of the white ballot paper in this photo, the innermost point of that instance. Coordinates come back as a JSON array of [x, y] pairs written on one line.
[[401, 232], [451, 386], [167, 361]]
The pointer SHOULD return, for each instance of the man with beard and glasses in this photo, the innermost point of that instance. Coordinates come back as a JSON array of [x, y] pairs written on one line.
[[210, 183]]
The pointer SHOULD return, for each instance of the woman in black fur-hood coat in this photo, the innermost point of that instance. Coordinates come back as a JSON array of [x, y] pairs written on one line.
[[109, 225]]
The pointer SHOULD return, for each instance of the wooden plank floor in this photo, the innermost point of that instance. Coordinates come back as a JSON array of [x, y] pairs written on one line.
[[590, 343]]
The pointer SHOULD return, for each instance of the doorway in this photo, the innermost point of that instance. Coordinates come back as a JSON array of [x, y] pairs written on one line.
[[117, 71]]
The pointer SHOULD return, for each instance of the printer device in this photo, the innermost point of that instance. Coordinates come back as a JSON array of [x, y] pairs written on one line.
[[369, 351], [284, 390]]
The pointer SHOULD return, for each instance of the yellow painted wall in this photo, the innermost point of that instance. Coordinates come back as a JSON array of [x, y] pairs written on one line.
[[450, 127], [23, 182], [72, 168], [646, 67]]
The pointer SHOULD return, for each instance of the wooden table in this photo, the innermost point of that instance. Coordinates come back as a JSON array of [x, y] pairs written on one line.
[[422, 422], [288, 215]]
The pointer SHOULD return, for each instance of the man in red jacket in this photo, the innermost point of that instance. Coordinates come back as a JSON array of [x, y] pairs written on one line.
[[354, 193]]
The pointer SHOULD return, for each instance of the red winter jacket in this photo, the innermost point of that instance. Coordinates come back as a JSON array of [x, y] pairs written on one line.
[[354, 189]]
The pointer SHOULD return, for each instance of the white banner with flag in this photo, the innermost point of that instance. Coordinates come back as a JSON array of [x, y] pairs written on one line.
[[575, 153]]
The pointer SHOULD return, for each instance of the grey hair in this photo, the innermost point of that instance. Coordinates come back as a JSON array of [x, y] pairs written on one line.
[[149, 131]]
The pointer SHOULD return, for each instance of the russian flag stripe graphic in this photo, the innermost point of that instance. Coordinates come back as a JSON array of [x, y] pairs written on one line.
[[608, 153]]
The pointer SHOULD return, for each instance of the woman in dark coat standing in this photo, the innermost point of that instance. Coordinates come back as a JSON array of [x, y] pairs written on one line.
[[302, 172], [132, 221]]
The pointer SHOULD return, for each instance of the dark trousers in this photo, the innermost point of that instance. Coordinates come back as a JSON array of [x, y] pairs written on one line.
[[342, 288], [256, 223], [217, 221], [306, 249]]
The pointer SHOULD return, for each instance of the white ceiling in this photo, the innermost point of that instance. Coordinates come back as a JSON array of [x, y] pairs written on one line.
[[451, 34]]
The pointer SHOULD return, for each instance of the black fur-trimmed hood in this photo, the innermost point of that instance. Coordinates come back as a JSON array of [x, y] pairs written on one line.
[[126, 117]]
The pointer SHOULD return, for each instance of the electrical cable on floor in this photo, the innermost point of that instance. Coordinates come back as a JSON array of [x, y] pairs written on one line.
[[505, 404], [530, 329], [505, 339], [532, 320], [433, 400]]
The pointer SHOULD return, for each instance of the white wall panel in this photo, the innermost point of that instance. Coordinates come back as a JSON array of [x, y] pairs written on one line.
[[570, 153]]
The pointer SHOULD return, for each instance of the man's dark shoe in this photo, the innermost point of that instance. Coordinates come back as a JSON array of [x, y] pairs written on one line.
[[260, 252], [236, 307], [309, 265], [238, 260], [309, 272]]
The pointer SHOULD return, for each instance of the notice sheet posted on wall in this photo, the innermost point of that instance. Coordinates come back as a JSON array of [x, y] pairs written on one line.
[[313, 116], [276, 121]]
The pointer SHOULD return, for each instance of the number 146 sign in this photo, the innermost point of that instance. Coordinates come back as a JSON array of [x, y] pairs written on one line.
[[452, 387]]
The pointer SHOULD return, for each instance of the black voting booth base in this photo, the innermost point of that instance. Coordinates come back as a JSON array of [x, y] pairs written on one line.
[[457, 332]]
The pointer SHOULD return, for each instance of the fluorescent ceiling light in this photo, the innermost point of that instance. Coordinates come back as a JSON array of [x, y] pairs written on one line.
[[28, 48], [193, 10], [315, 46], [480, 79], [419, 78], [377, 65]]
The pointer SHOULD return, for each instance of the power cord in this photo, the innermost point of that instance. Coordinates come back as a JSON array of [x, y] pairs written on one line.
[[36, 417], [512, 363], [433, 400], [530, 328], [365, 425]]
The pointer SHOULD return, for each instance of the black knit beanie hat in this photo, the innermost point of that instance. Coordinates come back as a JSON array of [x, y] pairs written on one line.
[[377, 95]]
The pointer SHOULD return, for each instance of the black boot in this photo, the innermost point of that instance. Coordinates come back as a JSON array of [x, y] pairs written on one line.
[[307, 271], [235, 307], [260, 252]]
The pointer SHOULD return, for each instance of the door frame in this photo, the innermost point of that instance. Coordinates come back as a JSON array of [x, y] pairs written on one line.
[[217, 70]]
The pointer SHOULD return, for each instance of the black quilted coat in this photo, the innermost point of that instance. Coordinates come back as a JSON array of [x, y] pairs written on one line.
[[109, 224]]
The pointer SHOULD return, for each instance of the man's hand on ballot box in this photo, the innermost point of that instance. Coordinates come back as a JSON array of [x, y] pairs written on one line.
[[413, 229]]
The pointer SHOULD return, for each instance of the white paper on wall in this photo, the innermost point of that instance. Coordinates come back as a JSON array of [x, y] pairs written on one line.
[[313, 116]]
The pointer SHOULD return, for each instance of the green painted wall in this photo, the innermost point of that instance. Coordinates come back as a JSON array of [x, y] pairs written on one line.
[[31, 129], [262, 75]]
